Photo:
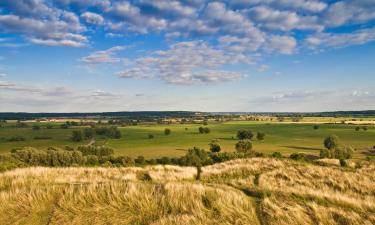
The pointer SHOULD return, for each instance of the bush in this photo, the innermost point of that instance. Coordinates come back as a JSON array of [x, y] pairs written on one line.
[[260, 136], [357, 128], [244, 146], [16, 138], [77, 135], [64, 126], [204, 130], [325, 153], [215, 147], [111, 132], [95, 150], [92, 160], [343, 163], [298, 156], [364, 128], [49, 126], [277, 155], [167, 131], [140, 160], [150, 136], [245, 134], [316, 127], [42, 138], [89, 133], [36, 127]]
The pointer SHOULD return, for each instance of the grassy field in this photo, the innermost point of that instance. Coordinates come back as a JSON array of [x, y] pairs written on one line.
[[282, 137], [246, 191]]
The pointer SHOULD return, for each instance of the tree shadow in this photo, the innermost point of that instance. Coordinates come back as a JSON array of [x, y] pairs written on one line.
[[301, 147]]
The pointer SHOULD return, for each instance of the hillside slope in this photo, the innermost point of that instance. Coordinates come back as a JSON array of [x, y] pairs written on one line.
[[246, 191]]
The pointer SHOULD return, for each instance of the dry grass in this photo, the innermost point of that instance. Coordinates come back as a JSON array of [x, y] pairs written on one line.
[[251, 191]]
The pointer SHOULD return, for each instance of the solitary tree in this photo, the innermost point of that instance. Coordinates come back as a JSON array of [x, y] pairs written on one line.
[[244, 146], [331, 142], [167, 131], [316, 127], [197, 157]]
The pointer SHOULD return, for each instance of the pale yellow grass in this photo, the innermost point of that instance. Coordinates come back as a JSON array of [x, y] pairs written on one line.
[[246, 191]]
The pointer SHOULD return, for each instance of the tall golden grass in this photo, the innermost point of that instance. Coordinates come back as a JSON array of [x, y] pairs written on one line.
[[245, 191]]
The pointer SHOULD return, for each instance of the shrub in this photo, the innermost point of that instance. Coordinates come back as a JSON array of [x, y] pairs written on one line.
[[244, 146], [357, 128], [140, 160], [36, 127], [77, 135], [95, 150], [298, 156], [260, 136], [167, 131], [89, 133], [245, 134], [164, 160], [92, 160], [49, 126], [150, 136], [364, 128], [316, 127], [64, 126], [343, 163], [16, 138], [42, 138], [325, 153], [204, 130], [215, 147], [277, 155]]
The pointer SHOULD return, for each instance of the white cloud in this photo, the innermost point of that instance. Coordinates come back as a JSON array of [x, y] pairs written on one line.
[[324, 40], [263, 68], [93, 18], [282, 44], [185, 63], [105, 56]]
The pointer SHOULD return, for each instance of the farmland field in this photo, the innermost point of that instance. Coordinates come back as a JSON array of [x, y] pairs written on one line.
[[282, 137]]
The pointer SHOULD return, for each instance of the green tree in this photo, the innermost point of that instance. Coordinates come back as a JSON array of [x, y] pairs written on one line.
[[36, 127], [77, 135], [245, 134], [331, 142], [167, 131], [244, 146], [197, 157], [215, 146], [260, 136], [89, 133]]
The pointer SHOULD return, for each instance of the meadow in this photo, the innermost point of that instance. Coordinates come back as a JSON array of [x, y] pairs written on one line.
[[244, 191], [281, 137]]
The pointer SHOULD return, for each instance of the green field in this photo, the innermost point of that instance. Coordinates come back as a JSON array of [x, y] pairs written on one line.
[[284, 138]]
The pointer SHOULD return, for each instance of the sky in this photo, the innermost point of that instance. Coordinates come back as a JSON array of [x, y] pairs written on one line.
[[195, 55]]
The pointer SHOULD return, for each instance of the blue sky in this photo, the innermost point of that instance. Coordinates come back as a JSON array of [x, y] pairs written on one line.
[[240, 55]]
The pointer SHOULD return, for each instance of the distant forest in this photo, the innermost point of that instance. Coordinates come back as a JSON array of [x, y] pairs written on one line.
[[175, 114]]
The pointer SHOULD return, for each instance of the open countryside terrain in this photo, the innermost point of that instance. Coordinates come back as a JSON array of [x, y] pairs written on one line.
[[245, 191], [284, 137]]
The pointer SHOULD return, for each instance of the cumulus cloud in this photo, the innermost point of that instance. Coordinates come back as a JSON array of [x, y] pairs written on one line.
[[93, 18], [185, 63], [282, 44], [324, 40], [106, 56]]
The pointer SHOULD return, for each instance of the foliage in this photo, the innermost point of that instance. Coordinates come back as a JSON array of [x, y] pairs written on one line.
[[260, 136], [316, 127], [204, 130], [215, 146], [95, 150], [16, 138], [167, 131], [77, 135], [331, 142], [244, 146], [277, 155], [245, 134]]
